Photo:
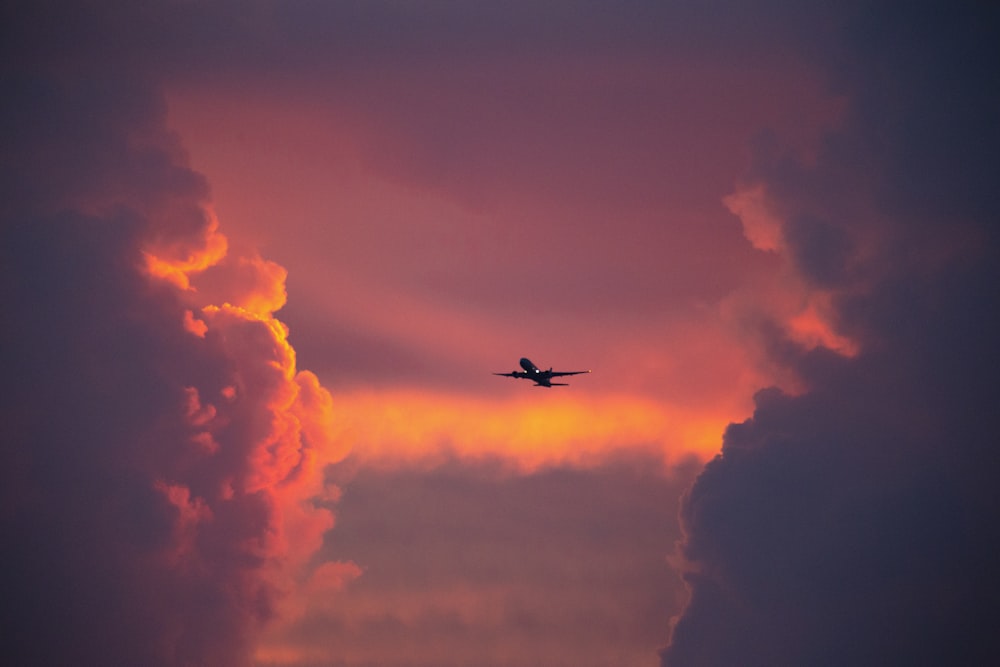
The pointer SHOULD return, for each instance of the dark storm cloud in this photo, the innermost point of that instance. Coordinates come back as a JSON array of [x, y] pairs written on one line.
[[854, 524], [92, 357], [141, 444]]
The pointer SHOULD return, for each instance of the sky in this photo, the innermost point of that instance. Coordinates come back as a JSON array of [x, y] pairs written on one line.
[[260, 260]]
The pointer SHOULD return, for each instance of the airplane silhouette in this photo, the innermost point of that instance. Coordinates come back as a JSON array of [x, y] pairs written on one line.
[[539, 377]]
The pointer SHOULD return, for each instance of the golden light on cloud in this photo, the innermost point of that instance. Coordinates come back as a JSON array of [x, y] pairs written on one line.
[[413, 428], [177, 262], [275, 421]]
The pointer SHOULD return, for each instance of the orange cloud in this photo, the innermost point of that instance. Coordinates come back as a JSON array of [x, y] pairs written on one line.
[[194, 326], [263, 437], [177, 260], [811, 326], [804, 312], [249, 282], [409, 428], [284, 418], [760, 225]]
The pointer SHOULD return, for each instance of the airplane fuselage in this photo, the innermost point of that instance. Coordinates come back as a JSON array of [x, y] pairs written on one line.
[[539, 377]]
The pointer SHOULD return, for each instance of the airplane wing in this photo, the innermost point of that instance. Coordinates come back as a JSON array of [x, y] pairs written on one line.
[[556, 374], [515, 374]]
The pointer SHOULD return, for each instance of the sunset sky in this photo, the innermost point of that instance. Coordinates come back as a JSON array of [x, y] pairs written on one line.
[[261, 259]]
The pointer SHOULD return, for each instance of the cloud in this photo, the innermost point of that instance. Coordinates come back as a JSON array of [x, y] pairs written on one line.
[[761, 227], [162, 487], [400, 428], [161, 449], [470, 563], [851, 523]]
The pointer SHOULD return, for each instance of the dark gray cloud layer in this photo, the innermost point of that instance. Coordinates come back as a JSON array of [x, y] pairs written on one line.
[[178, 37], [857, 523]]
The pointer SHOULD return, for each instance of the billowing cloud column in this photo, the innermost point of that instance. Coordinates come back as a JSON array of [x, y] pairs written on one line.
[[162, 455], [855, 523]]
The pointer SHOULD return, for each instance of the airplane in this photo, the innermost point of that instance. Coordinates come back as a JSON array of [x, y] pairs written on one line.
[[539, 377]]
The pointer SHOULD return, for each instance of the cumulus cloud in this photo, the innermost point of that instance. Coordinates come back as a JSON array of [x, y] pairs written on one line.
[[852, 523], [161, 449]]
